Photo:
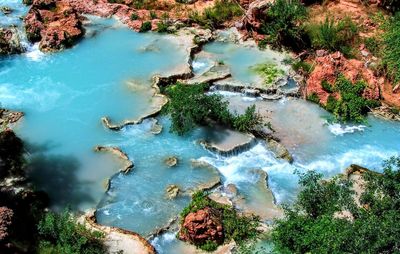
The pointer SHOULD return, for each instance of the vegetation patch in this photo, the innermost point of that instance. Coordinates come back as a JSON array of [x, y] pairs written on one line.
[[189, 106], [236, 227], [311, 224], [268, 71], [146, 26], [60, 233], [334, 36], [214, 17], [283, 25], [391, 50]]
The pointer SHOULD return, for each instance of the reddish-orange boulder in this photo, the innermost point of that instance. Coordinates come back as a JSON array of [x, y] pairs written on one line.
[[201, 226]]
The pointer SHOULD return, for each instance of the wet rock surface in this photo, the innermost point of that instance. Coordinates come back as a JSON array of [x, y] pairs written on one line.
[[9, 116], [201, 226], [172, 191], [55, 24], [171, 161], [279, 150], [10, 42]]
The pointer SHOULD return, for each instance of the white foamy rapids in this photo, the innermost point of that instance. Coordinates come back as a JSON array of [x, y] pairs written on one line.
[[339, 130], [33, 52], [161, 240], [197, 65]]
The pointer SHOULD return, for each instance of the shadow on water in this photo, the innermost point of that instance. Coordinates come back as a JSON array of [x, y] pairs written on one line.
[[56, 175]]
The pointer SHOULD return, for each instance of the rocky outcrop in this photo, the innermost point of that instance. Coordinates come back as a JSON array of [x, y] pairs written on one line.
[[55, 24], [127, 165], [328, 66], [10, 41], [386, 112], [171, 161], [201, 226], [172, 191], [9, 117], [279, 150], [118, 240], [6, 215]]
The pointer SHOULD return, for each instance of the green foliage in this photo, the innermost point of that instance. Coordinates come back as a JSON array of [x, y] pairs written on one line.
[[326, 86], [214, 17], [310, 226], [268, 71], [313, 98], [391, 50], [153, 15], [236, 227], [301, 66], [60, 233], [162, 27], [282, 24], [134, 16], [373, 45], [146, 26], [190, 106], [334, 36], [351, 106]]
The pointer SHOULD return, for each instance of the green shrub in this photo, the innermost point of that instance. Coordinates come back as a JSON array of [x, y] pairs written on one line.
[[146, 26], [190, 106], [236, 227], [162, 27], [334, 36], [134, 16], [313, 98], [153, 15], [309, 225], [331, 104], [282, 24], [301, 66], [391, 49], [373, 45], [60, 233], [214, 17], [326, 86]]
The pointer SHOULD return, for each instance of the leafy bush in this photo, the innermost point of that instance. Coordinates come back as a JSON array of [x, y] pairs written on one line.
[[351, 106], [59, 233], [326, 86], [334, 36], [310, 226], [373, 45], [282, 24], [134, 16], [313, 98], [236, 227], [146, 26], [153, 15], [391, 50], [302, 66], [162, 27], [214, 17], [190, 106]]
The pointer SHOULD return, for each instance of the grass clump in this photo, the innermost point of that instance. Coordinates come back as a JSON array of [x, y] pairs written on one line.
[[391, 48], [134, 16], [302, 67], [268, 71], [334, 36], [189, 106], [146, 26], [310, 224], [313, 98], [282, 25], [214, 17], [60, 233], [236, 227], [326, 86]]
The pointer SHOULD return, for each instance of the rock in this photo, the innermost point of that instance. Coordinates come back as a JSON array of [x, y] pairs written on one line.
[[6, 10], [172, 191], [6, 216], [201, 226], [8, 116], [27, 2], [386, 112], [127, 164], [55, 24], [10, 42], [156, 128], [256, 9], [215, 73], [328, 66], [279, 150], [171, 161]]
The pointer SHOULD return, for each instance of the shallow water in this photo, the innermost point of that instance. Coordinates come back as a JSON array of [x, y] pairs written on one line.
[[65, 94]]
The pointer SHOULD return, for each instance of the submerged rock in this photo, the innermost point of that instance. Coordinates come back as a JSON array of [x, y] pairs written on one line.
[[171, 161], [279, 150], [127, 164], [172, 191], [6, 10], [10, 42], [201, 226]]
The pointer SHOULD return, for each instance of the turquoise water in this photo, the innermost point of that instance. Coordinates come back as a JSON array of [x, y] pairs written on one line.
[[65, 94], [14, 18]]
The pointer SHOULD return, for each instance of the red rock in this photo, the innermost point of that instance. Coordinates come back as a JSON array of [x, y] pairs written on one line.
[[6, 216], [329, 66], [201, 226]]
